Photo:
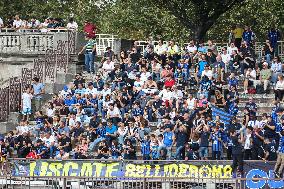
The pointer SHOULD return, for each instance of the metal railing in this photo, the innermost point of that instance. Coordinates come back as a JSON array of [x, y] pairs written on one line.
[[46, 68], [109, 175]]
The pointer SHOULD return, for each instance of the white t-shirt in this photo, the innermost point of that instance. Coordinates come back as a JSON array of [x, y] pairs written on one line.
[[190, 103], [207, 73], [191, 49], [280, 85], [138, 85], [23, 129], [48, 141], [225, 58], [252, 74], [254, 124], [109, 66], [17, 23], [166, 95], [72, 26], [27, 100], [159, 49], [1, 22], [91, 91], [247, 142], [144, 76], [177, 94], [113, 112], [230, 50]]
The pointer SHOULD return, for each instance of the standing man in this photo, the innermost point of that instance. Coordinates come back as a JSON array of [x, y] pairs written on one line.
[[274, 36], [248, 36], [237, 32], [37, 91], [237, 151], [90, 52]]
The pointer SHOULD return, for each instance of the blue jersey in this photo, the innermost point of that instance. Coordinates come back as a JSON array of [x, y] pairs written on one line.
[[273, 36], [168, 138], [202, 65], [137, 112], [216, 144], [233, 110], [248, 36], [233, 82], [155, 152], [281, 145], [145, 147], [101, 132]]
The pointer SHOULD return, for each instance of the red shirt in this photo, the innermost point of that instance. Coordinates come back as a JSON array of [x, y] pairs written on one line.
[[169, 83], [32, 155], [90, 30]]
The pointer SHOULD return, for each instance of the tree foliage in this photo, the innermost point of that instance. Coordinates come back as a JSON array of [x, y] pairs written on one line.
[[175, 19]]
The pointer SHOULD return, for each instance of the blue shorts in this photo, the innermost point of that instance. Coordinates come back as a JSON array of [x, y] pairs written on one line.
[[27, 111]]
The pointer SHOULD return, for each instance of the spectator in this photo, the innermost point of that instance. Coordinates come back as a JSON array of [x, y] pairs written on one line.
[[18, 23], [276, 68], [37, 91], [274, 36], [90, 51], [72, 25], [268, 51], [238, 32], [26, 103], [248, 35], [1, 23], [279, 88], [265, 76]]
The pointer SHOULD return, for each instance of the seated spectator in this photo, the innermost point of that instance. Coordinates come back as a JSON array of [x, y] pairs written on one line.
[[250, 77], [33, 24], [265, 76]]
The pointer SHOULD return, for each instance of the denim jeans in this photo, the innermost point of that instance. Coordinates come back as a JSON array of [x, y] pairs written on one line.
[[89, 62], [268, 58], [179, 153]]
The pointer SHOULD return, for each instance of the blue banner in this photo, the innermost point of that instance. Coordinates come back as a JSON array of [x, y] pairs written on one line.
[[224, 116]]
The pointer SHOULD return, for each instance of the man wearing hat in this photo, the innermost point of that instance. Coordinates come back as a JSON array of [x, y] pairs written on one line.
[[265, 76]]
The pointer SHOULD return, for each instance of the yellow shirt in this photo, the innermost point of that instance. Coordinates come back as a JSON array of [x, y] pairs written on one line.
[[238, 32]]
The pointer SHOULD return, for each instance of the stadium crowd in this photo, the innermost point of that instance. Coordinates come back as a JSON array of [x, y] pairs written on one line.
[[167, 102]]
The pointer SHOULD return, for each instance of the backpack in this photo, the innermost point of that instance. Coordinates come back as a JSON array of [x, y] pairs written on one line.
[[260, 89]]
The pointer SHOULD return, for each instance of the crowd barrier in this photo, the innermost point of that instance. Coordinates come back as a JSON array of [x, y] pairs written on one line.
[[140, 174]]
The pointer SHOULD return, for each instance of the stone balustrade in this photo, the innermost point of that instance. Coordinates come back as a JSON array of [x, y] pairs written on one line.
[[29, 43]]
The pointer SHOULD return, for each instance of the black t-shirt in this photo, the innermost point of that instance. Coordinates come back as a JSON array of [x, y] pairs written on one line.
[[269, 133], [64, 141], [237, 147], [256, 141], [204, 139], [135, 57], [271, 149], [181, 138]]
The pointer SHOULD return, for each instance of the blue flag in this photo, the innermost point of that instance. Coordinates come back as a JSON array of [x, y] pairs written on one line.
[[224, 116]]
